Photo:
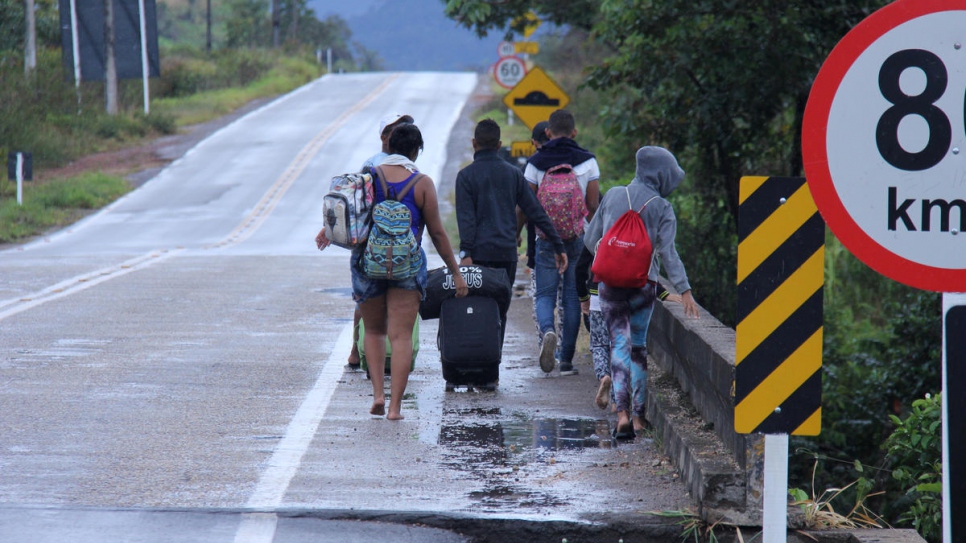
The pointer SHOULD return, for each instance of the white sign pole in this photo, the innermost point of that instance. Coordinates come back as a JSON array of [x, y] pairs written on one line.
[[75, 47], [775, 509], [145, 72], [20, 179]]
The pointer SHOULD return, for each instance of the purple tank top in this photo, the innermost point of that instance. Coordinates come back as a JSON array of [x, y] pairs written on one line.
[[409, 200]]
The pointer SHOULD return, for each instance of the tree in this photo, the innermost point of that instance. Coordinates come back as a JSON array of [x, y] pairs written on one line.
[[30, 46], [247, 24], [110, 61], [482, 16]]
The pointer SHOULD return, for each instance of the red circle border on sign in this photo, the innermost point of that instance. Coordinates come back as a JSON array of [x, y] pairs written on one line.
[[513, 58], [815, 145]]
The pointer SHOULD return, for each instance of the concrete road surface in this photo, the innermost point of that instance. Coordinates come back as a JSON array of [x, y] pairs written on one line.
[[172, 368]]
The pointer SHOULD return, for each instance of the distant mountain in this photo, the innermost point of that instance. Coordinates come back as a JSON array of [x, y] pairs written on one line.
[[412, 35]]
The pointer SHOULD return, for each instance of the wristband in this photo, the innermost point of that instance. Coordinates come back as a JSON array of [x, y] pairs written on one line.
[[663, 295]]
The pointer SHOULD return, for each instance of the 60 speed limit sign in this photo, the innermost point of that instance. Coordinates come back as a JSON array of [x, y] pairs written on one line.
[[884, 143], [508, 71]]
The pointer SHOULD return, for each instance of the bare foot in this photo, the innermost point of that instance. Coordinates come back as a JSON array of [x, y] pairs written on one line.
[[640, 423], [378, 408], [354, 357], [603, 392], [624, 425], [395, 416]]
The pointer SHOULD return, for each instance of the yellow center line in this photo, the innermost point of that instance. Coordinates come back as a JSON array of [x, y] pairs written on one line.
[[274, 194]]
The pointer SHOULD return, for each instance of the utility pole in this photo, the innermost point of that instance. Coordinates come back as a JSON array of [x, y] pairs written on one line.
[[30, 42], [110, 62], [208, 44], [276, 23]]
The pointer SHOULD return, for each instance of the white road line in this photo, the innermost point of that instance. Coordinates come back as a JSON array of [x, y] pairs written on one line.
[[285, 461], [83, 282]]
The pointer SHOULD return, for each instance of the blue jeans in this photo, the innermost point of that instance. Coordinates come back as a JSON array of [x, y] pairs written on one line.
[[627, 314], [546, 299], [365, 288]]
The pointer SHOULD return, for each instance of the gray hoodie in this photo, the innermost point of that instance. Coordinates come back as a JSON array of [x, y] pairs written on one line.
[[658, 174]]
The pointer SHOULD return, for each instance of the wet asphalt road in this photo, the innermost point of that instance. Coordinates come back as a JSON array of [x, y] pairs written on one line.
[[172, 368]]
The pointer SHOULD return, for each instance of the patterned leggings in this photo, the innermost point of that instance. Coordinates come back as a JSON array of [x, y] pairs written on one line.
[[599, 344], [627, 314]]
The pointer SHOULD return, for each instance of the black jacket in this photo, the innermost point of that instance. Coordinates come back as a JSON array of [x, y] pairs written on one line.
[[488, 192]]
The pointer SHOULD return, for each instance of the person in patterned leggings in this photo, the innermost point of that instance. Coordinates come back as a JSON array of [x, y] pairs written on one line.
[[627, 311]]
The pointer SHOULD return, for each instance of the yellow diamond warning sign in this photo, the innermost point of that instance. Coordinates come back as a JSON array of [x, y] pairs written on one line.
[[535, 97]]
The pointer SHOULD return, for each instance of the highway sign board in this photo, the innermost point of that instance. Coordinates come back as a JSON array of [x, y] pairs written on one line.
[[522, 149], [509, 71], [527, 47], [531, 21], [884, 143], [535, 97], [506, 49]]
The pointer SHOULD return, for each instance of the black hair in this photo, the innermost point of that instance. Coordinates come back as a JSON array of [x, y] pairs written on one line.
[[406, 140], [562, 123], [487, 134]]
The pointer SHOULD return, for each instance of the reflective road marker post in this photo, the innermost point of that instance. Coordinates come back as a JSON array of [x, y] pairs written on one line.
[[778, 347]]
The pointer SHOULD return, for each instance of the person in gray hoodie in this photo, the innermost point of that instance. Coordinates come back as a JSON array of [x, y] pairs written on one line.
[[627, 311]]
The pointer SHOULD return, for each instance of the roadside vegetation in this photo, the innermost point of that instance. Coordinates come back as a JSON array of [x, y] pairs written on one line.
[[57, 122], [724, 87]]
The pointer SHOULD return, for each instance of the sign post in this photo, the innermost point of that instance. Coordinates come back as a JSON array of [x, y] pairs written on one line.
[[20, 167], [884, 148], [778, 340]]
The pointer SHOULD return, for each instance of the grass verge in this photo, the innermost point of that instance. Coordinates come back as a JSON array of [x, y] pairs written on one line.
[[55, 203]]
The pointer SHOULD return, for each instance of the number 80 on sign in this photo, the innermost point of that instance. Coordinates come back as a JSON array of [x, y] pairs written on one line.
[[884, 143]]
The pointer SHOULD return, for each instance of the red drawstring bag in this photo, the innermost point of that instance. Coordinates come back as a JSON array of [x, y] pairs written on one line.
[[623, 257]]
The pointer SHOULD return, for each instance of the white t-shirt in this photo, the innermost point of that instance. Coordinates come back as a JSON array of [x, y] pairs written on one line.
[[586, 172]]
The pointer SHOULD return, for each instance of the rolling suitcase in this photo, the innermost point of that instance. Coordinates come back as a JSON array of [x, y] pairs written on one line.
[[469, 342], [361, 344]]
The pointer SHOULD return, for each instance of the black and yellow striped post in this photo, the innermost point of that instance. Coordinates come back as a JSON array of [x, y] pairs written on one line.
[[778, 360]]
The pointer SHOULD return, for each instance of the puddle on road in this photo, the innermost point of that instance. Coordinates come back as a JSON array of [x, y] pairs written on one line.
[[498, 451], [335, 290], [472, 431]]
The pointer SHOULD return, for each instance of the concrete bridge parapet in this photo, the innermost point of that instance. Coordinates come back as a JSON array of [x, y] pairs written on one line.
[[692, 367]]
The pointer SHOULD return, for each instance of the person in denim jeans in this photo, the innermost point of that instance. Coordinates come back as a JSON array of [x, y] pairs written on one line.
[[561, 149], [389, 307]]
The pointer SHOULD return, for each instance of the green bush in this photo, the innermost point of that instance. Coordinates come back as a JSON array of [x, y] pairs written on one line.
[[914, 452]]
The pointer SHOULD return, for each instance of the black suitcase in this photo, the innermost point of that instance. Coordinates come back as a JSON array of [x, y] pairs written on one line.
[[469, 342]]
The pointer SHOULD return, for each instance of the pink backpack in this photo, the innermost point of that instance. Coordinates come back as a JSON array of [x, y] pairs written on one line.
[[561, 197]]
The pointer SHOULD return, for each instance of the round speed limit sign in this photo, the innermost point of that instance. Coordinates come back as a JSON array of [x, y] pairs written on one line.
[[508, 71], [884, 143]]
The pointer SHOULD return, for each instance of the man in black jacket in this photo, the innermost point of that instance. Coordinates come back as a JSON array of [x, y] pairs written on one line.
[[490, 193]]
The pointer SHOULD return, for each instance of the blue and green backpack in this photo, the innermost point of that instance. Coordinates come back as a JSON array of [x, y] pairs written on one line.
[[391, 251]]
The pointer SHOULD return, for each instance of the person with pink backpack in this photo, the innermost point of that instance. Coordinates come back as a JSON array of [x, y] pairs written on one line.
[[565, 178]]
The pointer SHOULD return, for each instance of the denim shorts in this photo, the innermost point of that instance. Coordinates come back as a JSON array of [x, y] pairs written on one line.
[[364, 288]]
